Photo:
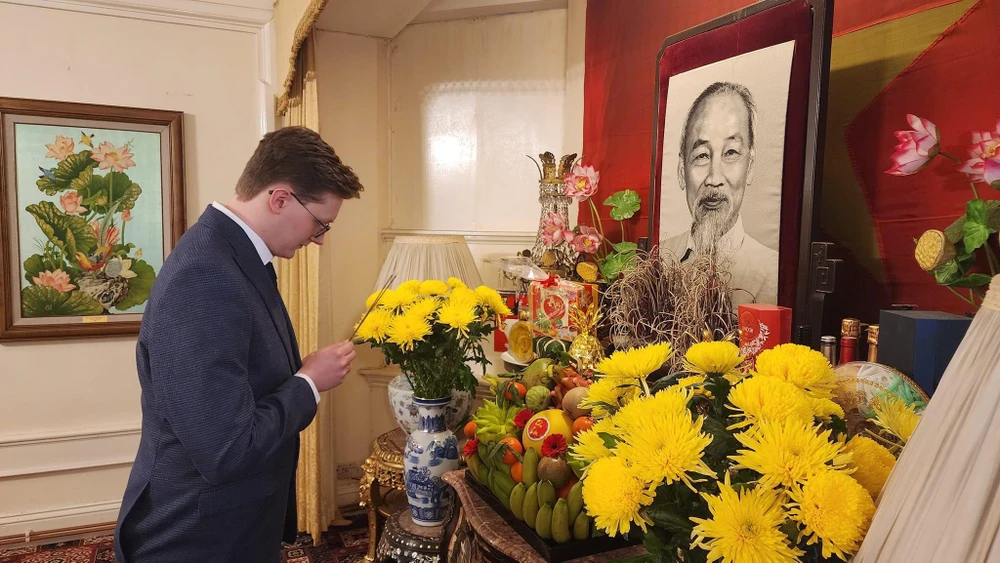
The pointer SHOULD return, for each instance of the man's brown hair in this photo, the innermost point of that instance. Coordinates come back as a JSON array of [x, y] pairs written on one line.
[[300, 157]]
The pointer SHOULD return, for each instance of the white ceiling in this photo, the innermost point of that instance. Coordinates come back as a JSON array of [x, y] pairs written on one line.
[[386, 18]]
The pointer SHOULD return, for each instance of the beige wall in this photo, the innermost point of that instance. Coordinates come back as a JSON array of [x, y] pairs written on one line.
[[69, 411]]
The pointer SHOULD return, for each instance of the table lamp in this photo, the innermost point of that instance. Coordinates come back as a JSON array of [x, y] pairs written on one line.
[[429, 257]]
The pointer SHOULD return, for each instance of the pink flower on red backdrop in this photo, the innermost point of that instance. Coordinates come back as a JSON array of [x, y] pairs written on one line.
[[588, 241], [71, 203], [554, 230], [984, 166], [522, 417], [471, 447], [582, 182], [57, 280], [916, 148]]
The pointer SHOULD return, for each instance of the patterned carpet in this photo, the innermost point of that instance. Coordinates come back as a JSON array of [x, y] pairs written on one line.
[[346, 544]]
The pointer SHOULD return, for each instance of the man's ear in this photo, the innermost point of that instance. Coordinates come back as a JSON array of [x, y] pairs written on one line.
[[753, 155], [277, 197], [681, 180]]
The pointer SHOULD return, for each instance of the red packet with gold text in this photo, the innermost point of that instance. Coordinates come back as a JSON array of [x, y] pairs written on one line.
[[550, 302], [762, 327]]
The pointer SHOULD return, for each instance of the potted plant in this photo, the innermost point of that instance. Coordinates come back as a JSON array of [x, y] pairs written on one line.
[[432, 329]]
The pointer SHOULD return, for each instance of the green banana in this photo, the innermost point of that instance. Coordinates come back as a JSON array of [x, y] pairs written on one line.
[[581, 526], [560, 522], [475, 464], [530, 508], [503, 468], [484, 456], [543, 522], [575, 500], [546, 493], [484, 474], [529, 467], [503, 485], [517, 500]]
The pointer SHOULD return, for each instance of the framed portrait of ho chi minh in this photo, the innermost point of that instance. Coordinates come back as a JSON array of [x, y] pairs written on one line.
[[738, 123], [91, 203]]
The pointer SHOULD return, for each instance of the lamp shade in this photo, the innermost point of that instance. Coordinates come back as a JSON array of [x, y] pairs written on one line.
[[429, 257]]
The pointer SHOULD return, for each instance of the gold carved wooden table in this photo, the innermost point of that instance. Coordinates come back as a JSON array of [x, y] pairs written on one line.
[[482, 535], [382, 488]]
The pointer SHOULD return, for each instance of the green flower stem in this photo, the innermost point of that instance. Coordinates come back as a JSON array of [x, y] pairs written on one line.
[[975, 192], [596, 218], [991, 259], [946, 155], [960, 296]]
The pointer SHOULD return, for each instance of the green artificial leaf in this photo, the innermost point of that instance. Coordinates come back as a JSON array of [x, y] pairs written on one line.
[[625, 247], [975, 210], [615, 263], [975, 235], [70, 233], [44, 301], [139, 286], [670, 520], [973, 280], [947, 272], [623, 204], [610, 441], [115, 189], [664, 382], [37, 264], [66, 172], [723, 443]]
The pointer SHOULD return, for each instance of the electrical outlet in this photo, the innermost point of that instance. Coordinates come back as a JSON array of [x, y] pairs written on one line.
[[349, 471]]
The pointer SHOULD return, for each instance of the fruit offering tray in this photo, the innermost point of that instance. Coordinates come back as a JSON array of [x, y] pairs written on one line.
[[549, 550]]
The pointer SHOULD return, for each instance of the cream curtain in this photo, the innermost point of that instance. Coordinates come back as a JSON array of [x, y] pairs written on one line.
[[298, 281], [942, 501]]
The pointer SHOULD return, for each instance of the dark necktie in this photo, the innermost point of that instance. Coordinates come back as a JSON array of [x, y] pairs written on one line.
[[272, 273]]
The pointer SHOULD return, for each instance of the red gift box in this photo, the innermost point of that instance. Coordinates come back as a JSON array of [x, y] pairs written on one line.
[[762, 327], [500, 332], [549, 304]]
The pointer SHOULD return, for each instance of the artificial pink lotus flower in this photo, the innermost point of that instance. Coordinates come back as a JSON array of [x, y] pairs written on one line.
[[71, 203], [554, 230], [126, 215], [916, 148], [110, 237], [588, 241], [60, 149], [582, 183], [57, 280], [118, 159], [984, 166]]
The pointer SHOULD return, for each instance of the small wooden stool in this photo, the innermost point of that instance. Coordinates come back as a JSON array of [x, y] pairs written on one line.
[[403, 541]]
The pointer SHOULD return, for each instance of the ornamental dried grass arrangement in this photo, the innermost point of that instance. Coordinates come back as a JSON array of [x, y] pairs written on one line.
[[662, 300]]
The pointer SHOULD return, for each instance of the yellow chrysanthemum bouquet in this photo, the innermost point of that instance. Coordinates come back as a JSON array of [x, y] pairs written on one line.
[[717, 464], [431, 329]]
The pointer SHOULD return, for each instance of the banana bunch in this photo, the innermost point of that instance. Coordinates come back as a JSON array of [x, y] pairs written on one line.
[[560, 520], [493, 422]]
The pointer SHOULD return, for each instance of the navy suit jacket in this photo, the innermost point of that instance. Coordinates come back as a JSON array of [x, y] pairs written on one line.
[[214, 477]]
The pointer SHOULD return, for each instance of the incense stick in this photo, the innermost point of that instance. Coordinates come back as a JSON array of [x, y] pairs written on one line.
[[378, 298]]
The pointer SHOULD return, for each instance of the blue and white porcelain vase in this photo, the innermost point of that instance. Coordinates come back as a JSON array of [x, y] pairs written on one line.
[[431, 451]]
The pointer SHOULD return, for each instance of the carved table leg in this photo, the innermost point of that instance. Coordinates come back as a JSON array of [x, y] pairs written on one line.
[[369, 495]]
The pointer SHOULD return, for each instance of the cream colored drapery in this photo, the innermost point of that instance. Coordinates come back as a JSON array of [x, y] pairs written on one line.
[[942, 501], [293, 22], [298, 281]]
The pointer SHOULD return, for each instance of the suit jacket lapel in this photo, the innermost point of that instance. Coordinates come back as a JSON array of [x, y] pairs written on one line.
[[249, 261]]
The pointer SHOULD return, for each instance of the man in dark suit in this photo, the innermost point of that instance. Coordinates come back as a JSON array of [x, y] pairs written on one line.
[[224, 392]]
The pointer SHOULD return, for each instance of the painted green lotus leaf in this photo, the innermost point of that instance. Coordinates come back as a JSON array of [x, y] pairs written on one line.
[[42, 301], [63, 175], [70, 233], [114, 187], [37, 264], [139, 286]]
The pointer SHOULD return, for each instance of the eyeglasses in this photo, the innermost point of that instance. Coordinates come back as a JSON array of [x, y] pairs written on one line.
[[323, 227]]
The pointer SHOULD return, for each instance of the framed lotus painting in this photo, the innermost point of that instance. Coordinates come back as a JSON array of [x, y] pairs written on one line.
[[92, 202]]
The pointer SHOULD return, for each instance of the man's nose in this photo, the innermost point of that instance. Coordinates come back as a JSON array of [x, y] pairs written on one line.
[[319, 240], [715, 179]]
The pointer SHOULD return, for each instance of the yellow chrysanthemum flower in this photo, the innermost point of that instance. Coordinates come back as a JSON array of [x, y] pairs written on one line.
[[489, 297], [457, 316], [833, 508], [769, 399], [405, 331], [397, 298], [610, 391], [715, 359], [695, 383], [589, 445], [788, 452], [897, 418], [410, 285], [423, 309], [635, 363], [371, 299], [872, 463], [745, 526], [825, 408], [454, 282], [613, 496], [662, 447], [463, 296], [376, 325], [668, 402], [800, 365], [433, 287]]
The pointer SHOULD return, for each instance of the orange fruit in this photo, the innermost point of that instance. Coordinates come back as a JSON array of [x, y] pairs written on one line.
[[563, 492], [470, 429], [582, 424], [516, 470], [508, 456], [521, 390]]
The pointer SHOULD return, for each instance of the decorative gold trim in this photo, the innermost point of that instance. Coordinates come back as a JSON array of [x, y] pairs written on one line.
[[302, 32]]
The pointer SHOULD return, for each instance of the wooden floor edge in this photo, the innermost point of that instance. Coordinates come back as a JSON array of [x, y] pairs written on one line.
[[57, 533]]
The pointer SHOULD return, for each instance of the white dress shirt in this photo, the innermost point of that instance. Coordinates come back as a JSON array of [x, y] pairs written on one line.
[[753, 266], [265, 257]]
